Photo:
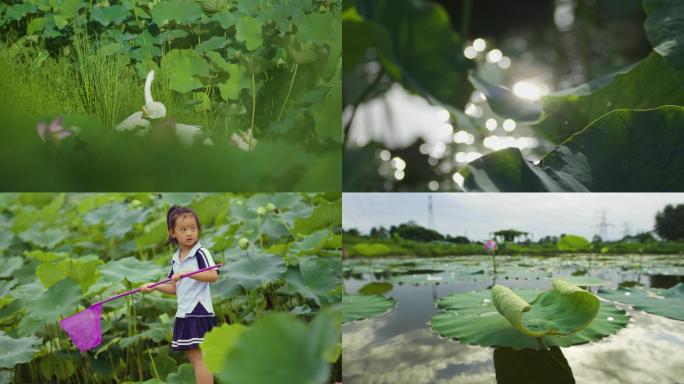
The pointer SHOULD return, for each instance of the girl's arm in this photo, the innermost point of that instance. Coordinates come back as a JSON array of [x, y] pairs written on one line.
[[169, 288], [206, 276]]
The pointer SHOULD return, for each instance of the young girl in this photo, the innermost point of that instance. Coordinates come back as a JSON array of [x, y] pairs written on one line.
[[195, 314]]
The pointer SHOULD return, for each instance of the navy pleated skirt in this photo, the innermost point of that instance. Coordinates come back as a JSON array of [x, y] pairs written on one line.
[[188, 332]]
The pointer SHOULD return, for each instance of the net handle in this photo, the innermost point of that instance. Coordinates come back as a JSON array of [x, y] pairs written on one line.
[[156, 284]]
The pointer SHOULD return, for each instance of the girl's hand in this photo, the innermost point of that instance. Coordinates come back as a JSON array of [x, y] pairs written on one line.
[[146, 288], [176, 277]]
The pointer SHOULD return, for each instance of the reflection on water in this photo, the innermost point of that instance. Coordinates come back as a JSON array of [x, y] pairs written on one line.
[[530, 366], [398, 347]]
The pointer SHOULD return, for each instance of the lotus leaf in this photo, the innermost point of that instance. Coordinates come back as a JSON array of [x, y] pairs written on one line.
[[253, 271], [573, 243], [505, 103], [665, 30], [282, 349], [636, 139], [375, 288], [179, 11], [585, 281], [358, 307], [17, 351], [314, 278], [248, 29], [218, 343], [472, 318], [184, 375], [59, 300], [10, 265], [563, 310], [663, 302], [132, 269], [45, 238]]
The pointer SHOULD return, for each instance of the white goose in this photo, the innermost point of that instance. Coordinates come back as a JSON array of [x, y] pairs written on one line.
[[156, 110]]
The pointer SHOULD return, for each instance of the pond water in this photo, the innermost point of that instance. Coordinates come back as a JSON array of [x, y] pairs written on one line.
[[399, 347]]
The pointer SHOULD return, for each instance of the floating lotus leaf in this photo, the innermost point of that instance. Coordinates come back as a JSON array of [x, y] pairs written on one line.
[[435, 278], [563, 310], [253, 271], [585, 281], [663, 302], [17, 351], [375, 288], [472, 318], [358, 307]]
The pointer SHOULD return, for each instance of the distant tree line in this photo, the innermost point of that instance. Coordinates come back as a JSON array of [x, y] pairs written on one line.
[[669, 225]]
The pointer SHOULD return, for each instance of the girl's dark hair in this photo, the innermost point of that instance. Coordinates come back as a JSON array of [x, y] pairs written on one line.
[[173, 214]]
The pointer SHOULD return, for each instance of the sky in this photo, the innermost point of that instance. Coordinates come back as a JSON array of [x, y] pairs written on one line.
[[476, 215]]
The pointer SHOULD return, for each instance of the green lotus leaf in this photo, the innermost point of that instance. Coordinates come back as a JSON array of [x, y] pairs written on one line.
[[6, 238], [279, 348], [183, 66], [60, 300], [665, 30], [248, 30], [358, 307], [314, 278], [114, 14], [585, 281], [237, 81], [432, 67], [44, 238], [375, 288], [82, 270], [562, 311], [184, 375], [471, 318], [621, 151], [312, 243], [179, 11], [504, 102], [646, 84], [573, 243], [254, 271], [439, 278], [218, 343], [17, 351], [326, 126], [10, 265], [132, 269], [662, 302], [326, 215]]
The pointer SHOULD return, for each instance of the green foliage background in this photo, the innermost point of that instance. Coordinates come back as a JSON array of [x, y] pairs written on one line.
[[62, 252], [270, 66]]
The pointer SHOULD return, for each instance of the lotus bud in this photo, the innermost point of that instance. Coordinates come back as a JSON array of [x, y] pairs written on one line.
[[243, 243], [261, 211]]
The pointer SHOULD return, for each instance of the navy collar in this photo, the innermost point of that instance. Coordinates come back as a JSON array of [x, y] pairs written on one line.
[[193, 251]]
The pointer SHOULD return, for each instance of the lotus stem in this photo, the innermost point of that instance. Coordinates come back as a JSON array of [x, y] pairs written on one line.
[[294, 74], [541, 343], [251, 127]]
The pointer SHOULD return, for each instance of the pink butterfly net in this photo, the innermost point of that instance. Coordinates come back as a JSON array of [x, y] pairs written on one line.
[[83, 328]]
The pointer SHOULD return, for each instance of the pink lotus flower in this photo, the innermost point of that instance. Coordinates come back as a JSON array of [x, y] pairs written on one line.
[[490, 245], [53, 132]]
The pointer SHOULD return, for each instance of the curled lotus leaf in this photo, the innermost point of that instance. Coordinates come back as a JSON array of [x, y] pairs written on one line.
[[359, 307], [563, 310], [662, 302], [472, 318]]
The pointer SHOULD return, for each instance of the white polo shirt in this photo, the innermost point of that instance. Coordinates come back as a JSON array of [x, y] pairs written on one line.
[[191, 292]]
